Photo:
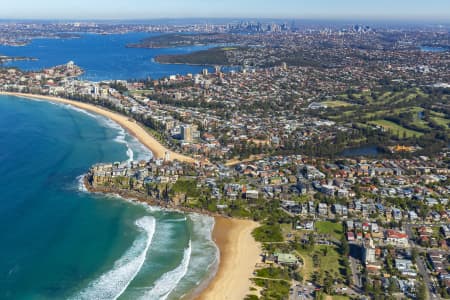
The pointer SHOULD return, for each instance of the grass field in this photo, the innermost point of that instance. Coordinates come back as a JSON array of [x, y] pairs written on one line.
[[333, 229], [308, 267], [141, 92], [329, 261], [337, 103], [396, 129], [273, 273], [441, 121], [383, 113], [389, 109], [423, 125], [439, 118]]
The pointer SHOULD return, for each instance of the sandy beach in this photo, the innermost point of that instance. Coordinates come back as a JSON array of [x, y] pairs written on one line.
[[239, 253], [130, 125]]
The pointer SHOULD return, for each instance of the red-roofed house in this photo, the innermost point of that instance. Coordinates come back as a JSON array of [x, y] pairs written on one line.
[[396, 238]]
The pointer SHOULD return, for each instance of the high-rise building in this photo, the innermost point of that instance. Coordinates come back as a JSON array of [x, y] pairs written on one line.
[[186, 133], [368, 252]]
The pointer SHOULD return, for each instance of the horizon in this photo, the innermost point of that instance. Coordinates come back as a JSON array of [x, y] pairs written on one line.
[[383, 10], [220, 20]]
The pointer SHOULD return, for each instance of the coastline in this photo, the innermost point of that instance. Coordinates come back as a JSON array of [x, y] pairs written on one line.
[[131, 126], [239, 253]]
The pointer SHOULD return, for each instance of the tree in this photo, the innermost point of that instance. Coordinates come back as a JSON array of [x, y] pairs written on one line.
[[414, 254], [311, 241], [421, 292], [393, 288], [345, 248], [328, 283]]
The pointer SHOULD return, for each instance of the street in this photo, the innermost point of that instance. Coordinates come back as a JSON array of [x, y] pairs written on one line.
[[421, 264]]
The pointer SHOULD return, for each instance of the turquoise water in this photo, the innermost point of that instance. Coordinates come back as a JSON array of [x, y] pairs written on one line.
[[59, 242], [103, 57]]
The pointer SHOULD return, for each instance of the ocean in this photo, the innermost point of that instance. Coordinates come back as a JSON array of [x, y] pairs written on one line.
[[58, 241], [103, 57]]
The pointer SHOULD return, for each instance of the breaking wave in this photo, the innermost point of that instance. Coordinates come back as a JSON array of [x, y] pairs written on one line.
[[113, 283], [169, 281]]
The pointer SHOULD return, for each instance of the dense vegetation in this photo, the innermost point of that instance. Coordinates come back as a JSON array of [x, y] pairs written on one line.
[[214, 56], [268, 233], [182, 40]]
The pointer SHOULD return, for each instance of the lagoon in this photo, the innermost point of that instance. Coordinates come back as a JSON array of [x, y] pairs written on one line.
[[365, 151]]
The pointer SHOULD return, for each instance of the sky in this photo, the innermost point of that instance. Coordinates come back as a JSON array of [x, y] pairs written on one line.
[[438, 10]]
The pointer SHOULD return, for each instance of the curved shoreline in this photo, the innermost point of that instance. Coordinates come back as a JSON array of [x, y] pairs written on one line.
[[130, 125], [238, 252]]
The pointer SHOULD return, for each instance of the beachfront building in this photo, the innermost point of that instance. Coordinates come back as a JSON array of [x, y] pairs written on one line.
[[286, 259]]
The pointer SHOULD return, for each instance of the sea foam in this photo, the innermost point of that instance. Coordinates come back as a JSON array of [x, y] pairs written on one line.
[[203, 228], [169, 281], [135, 150], [132, 144], [113, 283], [81, 187], [205, 256]]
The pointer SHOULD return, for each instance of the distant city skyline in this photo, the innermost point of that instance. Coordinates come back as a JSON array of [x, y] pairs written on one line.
[[438, 10]]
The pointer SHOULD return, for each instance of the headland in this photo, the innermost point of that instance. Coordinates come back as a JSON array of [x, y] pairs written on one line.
[[239, 253]]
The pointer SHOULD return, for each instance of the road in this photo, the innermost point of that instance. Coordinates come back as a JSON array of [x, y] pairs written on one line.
[[422, 267], [355, 272]]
